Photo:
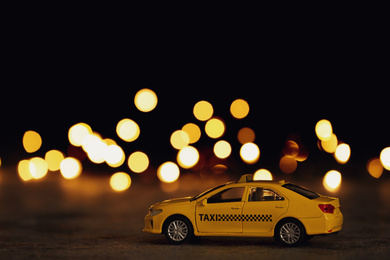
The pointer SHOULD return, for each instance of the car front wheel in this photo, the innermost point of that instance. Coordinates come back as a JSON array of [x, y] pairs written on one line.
[[290, 232], [178, 230]]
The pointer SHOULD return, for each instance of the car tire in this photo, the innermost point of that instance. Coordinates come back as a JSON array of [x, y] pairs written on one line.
[[178, 230], [290, 232]]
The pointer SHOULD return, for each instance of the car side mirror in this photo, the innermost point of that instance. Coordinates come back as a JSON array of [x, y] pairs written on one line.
[[204, 202]]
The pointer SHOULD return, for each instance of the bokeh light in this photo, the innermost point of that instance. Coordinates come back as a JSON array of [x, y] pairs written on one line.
[[24, 170], [203, 110], [375, 167], [38, 167], [168, 172], [78, 132], [290, 149], [179, 139], [342, 153], [53, 159], [114, 156], [145, 100], [262, 175], [330, 145], [95, 148], [215, 128], [138, 162], [385, 158], [120, 181], [222, 149], [32, 141], [188, 157], [239, 108], [288, 164], [193, 132], [332, 180], [324, 130], [127, 130], [70, 168], [250, 153], [246, 135]]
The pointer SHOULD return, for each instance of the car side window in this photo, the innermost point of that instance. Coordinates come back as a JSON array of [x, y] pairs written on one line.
[[228, 195], [263, 194]]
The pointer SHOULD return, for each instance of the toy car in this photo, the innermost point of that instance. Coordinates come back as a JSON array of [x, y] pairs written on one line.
[[247, 208]]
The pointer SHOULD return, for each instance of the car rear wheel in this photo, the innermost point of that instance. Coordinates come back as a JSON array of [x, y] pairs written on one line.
[[290, 232], [178, 230]]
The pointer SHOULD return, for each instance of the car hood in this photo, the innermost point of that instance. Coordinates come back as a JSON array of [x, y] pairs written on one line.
[[173, 201]]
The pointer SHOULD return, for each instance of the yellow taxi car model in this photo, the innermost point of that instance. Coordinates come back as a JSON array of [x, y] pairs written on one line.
[[247, 208]]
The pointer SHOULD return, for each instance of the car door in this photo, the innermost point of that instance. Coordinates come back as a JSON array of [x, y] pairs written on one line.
[[263, 207], [221, 213]]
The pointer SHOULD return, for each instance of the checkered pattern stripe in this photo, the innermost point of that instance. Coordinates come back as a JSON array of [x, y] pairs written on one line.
[[247, 217]]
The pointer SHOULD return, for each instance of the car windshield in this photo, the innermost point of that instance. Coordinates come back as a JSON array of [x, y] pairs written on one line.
[[302, 191], [207, 191]]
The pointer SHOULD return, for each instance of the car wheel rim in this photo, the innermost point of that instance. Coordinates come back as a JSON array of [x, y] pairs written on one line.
[[177, 230], [290, 233]]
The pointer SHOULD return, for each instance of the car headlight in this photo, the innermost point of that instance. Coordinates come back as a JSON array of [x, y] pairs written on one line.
[[154, 212]]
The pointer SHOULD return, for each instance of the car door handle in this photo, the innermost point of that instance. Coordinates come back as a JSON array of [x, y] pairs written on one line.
[[235, 207], [279, 206]]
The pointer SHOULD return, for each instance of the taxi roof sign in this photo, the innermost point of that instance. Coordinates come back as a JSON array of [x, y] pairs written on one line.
[[249, 178]]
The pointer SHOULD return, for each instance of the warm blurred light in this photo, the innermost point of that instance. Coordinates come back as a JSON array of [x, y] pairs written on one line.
[[95, 148], [168, 172], [114, 156], [385, 158], [222, 149], [179, 139], [53, 159], [24, 170], [332, 180], [70, 168], [342, 153], [215, 128], [32, 141], [324, 129], [127, 130], [203, 110], [239, 108], [246, 135], [375, 167], [193, 132], [188, 157], [330, 145], [262, 175], [109, 141], [78, 132], [290, 149], [250, 153], [145, 100], [38, 167], [120, 181], [288, 164], [138, 162]]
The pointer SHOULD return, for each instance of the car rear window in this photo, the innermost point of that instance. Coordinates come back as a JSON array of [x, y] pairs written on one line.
[[302, 191]]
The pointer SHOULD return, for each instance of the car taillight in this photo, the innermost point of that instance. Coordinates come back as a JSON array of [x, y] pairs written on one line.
[[326, 208]]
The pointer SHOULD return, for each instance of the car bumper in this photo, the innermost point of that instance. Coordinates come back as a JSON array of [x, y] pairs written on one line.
[[152, 225], [326, 224]]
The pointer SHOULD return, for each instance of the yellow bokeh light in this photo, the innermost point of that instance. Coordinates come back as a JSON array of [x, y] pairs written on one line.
[[250, 153], [375, 167], [203, 110], [246, 135], [168, 172], [324, 130], [188, 157], [239, 108], [138, 162], [342, 153], [385, 158], [193, 132], [215, 128], [332, 181], [330, 145], [70, 168], [53, 159], [290, 149], [114, 156], [120, 181], [24, 170], [95, 148], [145, 100], [127, 130], [288, 164], [179, 139], [38, 167], [222, 149], [78, 132], [262, 175], [32, 141]]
